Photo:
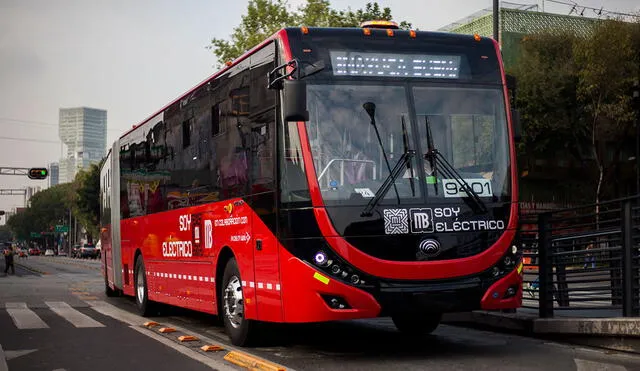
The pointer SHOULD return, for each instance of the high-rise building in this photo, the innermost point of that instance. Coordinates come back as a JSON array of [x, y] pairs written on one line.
[[30, 192], [54, 174], [84, 133]]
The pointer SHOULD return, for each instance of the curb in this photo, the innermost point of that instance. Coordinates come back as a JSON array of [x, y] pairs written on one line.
[[619, 334]]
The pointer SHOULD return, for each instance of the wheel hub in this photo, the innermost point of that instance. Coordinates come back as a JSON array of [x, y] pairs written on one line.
[[140, 286], [233, 302]]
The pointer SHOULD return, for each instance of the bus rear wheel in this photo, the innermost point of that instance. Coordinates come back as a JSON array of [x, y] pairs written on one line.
[[145, 306], [242, 331], [417, 324]]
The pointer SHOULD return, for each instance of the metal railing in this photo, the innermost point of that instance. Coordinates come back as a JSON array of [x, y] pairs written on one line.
[[584, 259]]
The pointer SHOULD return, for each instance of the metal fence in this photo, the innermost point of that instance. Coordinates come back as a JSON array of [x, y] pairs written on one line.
[[584, 259]]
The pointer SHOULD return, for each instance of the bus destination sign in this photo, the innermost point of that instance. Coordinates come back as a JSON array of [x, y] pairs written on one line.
[[353, 63]]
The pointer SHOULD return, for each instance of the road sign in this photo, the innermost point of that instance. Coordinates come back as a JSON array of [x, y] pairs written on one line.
[[35, 234], [62, 228]]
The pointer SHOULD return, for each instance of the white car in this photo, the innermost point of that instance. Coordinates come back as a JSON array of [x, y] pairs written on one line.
[[49, 252]]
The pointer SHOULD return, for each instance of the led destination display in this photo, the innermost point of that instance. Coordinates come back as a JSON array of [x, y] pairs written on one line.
[[353, 63]]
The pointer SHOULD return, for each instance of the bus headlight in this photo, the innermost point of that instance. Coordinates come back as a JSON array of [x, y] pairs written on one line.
[[321, 259], [325, 260]]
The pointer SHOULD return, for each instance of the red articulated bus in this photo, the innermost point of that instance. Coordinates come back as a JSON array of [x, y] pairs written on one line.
[[327, 174]]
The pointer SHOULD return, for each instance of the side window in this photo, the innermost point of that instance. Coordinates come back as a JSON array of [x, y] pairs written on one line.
[[215, 120], [262, 121], [232, 144]]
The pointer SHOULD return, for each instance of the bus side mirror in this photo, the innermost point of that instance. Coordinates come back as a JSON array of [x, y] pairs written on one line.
[[295, 101]]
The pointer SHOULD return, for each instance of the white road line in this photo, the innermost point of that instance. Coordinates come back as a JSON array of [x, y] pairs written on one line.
[[23, 317], [215, 365], [583, 365], [76, 318], [135, 322]]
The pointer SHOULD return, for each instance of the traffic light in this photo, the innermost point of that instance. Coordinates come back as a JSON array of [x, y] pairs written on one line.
[[38, 173]]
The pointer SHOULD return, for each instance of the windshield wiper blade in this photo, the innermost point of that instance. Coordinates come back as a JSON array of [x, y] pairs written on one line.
[[451, 173], [435, 157], [405, 142], [391, 179], [429, 157], [370, 108]]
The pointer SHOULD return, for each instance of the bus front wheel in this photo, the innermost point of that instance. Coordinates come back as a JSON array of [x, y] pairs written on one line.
[[145, 306], [417, 324], [240, 330]]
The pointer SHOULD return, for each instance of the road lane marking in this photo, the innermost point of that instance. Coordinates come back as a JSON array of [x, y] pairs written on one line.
[[76, 318], [23, 317], [215, 365], [583, 365], [11, 354], [134, 321]]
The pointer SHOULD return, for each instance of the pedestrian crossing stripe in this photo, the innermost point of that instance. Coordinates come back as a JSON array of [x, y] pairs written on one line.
[[26, 319]]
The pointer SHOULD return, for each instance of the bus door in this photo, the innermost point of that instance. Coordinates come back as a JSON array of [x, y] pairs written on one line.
[[263, 238]]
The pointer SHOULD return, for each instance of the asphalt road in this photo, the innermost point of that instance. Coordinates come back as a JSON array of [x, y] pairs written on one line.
[[124, 344]]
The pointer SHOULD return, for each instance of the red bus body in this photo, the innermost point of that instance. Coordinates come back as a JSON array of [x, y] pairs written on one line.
[[156, 209]]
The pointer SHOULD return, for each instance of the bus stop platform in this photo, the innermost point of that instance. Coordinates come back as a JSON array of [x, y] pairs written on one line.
[[584, 327]]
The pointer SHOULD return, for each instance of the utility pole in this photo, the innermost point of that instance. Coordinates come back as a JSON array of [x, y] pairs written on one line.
[[496, 15]]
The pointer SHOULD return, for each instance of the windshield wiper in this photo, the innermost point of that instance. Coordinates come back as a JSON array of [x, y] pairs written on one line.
[[391, 179], [405, 142], [435, 157], [370, 107]]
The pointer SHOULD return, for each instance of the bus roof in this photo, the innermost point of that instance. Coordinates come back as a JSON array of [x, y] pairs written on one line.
[[328, 31]]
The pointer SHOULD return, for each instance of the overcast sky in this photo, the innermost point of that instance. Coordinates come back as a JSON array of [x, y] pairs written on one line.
[[131, 57]]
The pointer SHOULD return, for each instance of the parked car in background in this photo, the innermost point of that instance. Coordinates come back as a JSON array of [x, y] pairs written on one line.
[[49, 252], [75, 251], [34, 251], [89, 251], [23, 253]]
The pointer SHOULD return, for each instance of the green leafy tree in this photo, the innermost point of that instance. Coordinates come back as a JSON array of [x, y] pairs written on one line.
[[19, 225], [48, 208], [574, 98], [608, 61], [5, 233], [86, 205], [265, 17]]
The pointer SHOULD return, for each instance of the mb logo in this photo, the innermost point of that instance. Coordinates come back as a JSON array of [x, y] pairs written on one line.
[[421, 220], [208, 234]]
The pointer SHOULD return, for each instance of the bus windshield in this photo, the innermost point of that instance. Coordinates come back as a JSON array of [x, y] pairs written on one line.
[[467, 126]]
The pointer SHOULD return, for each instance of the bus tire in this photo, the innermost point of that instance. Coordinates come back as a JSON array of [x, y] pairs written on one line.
[[242, 331], [144, 305], [417, 324]]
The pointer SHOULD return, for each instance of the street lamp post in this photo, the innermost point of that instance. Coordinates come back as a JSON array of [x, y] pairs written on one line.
[[496, 15]]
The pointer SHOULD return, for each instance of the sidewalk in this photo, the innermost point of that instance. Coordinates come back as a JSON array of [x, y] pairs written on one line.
[[582, 327]]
